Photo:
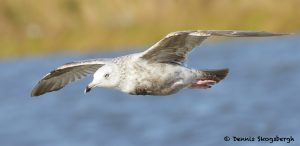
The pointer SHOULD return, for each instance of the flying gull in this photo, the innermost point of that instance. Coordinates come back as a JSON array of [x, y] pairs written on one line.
[[160, 70]]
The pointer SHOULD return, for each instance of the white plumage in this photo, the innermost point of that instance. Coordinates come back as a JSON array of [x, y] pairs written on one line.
[[160, 70]]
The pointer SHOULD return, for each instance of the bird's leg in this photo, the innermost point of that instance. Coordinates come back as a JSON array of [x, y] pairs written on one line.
[[203, 84]]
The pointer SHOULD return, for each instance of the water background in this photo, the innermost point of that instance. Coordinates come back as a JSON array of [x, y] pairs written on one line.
[[260, 97]]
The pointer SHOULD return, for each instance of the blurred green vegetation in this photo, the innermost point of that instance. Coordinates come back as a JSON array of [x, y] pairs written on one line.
[[29, 27]]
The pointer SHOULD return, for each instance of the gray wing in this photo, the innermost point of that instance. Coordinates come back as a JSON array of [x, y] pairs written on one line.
[[66, 74], [175, 47]]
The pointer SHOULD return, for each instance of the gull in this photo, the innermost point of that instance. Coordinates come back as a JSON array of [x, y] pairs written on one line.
[[159, 70]]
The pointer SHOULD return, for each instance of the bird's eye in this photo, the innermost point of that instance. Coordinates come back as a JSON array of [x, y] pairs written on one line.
[[106, 75]]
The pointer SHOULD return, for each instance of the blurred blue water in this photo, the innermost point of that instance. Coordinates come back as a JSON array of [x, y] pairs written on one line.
[[260, 97]]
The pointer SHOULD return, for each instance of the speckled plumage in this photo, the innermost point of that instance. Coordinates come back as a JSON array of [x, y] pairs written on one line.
[[160, 70]]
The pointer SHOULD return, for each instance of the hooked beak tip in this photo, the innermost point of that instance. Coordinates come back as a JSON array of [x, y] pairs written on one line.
[[87, 89]]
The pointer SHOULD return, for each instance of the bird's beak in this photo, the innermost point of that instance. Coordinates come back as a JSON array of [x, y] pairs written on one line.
[[89, 87]]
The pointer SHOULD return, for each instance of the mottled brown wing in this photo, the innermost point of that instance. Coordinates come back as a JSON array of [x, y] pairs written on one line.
[[175, 47], [66, 74]]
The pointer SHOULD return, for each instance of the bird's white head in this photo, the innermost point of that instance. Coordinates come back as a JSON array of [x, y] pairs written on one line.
[[106, 76]]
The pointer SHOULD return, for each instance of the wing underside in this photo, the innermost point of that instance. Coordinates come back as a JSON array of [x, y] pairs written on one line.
[[64, 75]]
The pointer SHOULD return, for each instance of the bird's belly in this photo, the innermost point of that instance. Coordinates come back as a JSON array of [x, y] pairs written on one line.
[[152, 87], [159, 82], [160, 92]]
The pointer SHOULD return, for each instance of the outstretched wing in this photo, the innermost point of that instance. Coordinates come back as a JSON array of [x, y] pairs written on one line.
[[66, 74], [176, 45]]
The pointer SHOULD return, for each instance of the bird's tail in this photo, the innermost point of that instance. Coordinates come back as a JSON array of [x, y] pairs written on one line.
[[216, 75]]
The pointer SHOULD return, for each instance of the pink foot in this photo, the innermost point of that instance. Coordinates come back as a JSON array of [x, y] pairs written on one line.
[[203, 84]]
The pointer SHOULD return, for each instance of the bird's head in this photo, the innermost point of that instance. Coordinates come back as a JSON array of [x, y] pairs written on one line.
[[106, 76]]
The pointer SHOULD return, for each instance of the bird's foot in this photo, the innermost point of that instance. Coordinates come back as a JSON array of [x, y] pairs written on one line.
[[203, 84]]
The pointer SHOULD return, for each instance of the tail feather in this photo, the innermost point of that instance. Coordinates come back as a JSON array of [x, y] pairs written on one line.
[[216, 75]]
